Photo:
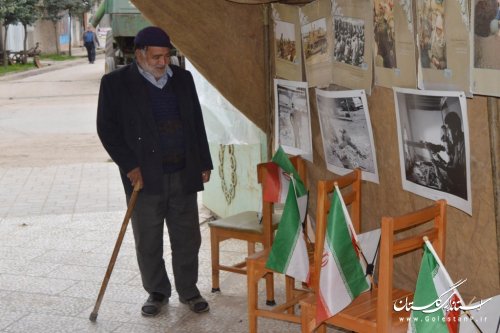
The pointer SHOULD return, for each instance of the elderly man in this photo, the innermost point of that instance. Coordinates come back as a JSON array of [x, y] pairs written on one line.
[[149, 120]]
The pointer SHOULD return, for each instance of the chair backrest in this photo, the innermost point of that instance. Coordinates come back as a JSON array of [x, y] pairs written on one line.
[[268, 207], [391, 247], [350, 187]]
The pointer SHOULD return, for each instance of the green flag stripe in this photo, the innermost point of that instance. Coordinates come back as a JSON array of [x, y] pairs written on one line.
[[283, 161], [286, 236], [425, 293], [339, 240]]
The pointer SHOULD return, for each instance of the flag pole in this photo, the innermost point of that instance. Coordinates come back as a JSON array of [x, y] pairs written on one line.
[[349, 222], [448, 278]]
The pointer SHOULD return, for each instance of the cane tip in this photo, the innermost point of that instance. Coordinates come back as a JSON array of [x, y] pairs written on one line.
[[93, 317]]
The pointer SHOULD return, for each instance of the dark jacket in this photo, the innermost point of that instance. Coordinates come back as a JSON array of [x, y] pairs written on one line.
[[128, 132]]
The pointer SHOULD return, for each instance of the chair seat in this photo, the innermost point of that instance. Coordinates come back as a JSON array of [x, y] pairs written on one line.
[[245, 221], [361, 315]]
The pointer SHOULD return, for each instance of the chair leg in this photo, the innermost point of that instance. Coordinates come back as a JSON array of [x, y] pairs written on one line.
[[306, 316], [250, 248], [289, 291], [270, 289], [214, 247], [252, 290]]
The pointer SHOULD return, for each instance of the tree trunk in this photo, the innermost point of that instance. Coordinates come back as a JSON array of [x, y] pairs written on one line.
[[24, 58], [1, 39], [5, 57], [58, 47], [70, 29]]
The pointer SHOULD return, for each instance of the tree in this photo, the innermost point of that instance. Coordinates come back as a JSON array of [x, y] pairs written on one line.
[[9, 11], [53, 11], [76, 8], [28, 15]]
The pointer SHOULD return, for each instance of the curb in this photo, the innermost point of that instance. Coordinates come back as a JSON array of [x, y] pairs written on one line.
[[47, 68]]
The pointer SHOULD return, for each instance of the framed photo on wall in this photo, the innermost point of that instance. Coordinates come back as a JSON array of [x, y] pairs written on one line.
[[347, 132], [293, 118], [433, 138]]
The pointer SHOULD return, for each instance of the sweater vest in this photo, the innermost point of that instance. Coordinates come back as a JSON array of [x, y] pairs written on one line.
[[167, 116]]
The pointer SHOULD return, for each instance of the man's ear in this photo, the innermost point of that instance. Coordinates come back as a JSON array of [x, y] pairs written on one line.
[[137, 53]]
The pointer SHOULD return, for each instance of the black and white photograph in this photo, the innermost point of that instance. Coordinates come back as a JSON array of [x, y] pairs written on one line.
[[434, 145], [347, 133], [349, 40], [293, 120]]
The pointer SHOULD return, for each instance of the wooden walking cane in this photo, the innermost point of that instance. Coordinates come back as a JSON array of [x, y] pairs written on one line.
[[111, 265]]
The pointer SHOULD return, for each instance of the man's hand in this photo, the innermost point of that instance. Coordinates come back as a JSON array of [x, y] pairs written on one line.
[[205, 175], [135, 176]]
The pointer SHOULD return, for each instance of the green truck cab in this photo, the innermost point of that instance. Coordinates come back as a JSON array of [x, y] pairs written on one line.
[[125, 21]]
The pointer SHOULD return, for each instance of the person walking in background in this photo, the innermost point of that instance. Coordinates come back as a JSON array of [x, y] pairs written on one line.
[[150, 122], [90, 41]]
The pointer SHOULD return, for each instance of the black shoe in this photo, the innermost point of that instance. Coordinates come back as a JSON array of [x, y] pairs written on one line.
[[197, 304], [153, 305]]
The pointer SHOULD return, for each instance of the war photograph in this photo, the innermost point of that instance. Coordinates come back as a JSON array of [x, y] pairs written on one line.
[[487, 34], [314, 41], [293, 120], [431, 34], [285, 41], [346, 131], [384, 32], [349, 40], [434, 145]]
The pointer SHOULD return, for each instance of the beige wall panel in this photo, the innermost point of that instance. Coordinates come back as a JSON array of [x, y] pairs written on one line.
[[224, 41], [471, 244]]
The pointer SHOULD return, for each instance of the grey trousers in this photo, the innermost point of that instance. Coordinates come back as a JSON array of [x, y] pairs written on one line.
[[180, 213]]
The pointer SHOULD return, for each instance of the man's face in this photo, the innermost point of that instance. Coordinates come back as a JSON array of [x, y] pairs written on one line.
[[154, 60], [451, 135]]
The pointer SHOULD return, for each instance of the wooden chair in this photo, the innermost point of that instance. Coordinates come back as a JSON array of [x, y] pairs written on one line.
[[246, 226], [351, 186], [373, 311]]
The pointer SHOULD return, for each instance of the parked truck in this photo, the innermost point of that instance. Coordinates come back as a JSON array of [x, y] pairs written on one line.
[[125, 21]]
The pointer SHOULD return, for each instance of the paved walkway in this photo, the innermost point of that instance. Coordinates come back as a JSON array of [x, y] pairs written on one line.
[[58, 226]]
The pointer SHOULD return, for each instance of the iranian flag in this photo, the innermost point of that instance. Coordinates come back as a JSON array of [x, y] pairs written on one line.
[[275, 184], [278, 180], [342, 276], [289, 252], [433, 284]]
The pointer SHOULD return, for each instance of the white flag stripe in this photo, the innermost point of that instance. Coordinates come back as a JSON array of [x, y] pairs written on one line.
[[347, 215], [368, 241], [284, 182], [299, 259], [298, 267], [342, 298], [445, 279]]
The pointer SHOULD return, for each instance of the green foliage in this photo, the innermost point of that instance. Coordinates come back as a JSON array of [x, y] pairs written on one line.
[[53, 10], [10, 10], [29, 12], [77, 7], [57, 57], [16, 68]]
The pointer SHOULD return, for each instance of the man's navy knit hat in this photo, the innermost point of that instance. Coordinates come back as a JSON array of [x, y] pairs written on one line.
[[152, 36]]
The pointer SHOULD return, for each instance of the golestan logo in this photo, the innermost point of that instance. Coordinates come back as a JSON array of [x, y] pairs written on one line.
[[445, 301]]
